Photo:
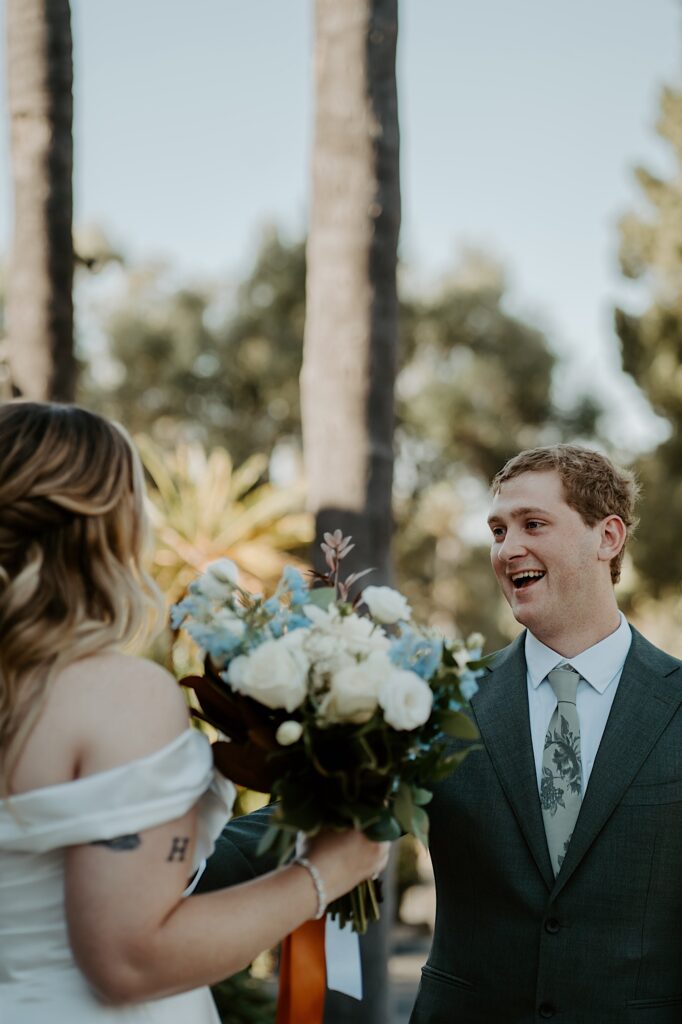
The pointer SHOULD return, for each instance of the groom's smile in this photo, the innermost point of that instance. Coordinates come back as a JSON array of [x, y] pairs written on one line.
[[526, 578]]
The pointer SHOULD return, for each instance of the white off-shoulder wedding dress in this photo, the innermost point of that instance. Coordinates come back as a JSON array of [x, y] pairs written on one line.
[[39, 981]]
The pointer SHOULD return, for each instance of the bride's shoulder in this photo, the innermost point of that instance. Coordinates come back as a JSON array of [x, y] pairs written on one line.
[[116, 679], [124, 707]]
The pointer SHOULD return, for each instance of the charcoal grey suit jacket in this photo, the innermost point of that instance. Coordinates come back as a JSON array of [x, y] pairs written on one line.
[[601, 943]]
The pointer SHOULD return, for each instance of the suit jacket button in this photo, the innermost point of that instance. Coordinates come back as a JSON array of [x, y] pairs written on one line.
[[546, 1010], [552, 925]]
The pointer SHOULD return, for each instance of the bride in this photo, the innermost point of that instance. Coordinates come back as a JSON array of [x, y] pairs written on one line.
[[109, 800]]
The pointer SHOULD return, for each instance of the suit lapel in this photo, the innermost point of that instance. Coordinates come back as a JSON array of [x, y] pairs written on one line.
[[501, 711], [644, 704]]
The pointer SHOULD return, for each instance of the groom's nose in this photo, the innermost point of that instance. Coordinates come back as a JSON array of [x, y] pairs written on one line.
[[512, 546]]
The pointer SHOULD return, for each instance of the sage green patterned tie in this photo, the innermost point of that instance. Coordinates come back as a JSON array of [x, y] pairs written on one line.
[[561, 787]]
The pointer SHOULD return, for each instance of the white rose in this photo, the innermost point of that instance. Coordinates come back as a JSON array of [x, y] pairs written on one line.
[[320, 654], [353, 693], [333, 632], [361, 635], [319, 616], [321, 647], [323, 652], [275, 674], [386, 605], [235, 672], [289, 732], [405, 699]]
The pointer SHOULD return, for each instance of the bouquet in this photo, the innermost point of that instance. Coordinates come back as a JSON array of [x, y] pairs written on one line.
[[341, 708]]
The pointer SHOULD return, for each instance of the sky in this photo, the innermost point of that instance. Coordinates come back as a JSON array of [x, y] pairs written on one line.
[[521, 122]]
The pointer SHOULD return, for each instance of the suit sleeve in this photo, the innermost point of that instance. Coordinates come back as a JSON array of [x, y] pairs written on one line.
[[235, 858]]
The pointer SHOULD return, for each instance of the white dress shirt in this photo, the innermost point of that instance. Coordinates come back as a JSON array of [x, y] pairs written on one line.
[[600, 668]]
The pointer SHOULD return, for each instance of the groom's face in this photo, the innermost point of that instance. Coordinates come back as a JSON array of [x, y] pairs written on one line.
[[545, 556]]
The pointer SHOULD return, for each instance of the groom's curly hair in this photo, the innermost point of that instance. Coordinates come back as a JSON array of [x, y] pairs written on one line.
[[593, 485]]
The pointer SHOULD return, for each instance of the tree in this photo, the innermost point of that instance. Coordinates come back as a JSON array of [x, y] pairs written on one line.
[[474, 386], [474, 389], [203, 364], [476, 382], [351, 326], [651, 345], [39, 294]]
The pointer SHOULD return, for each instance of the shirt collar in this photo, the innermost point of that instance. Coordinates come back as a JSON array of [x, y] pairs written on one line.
[[598, 665]]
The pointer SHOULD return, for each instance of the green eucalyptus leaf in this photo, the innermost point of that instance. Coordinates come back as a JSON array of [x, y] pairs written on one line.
[[447, 765], [322, 597], [459, 725], [386, 829], [478, 663], [420, 825], [303, 816], [403, 806]]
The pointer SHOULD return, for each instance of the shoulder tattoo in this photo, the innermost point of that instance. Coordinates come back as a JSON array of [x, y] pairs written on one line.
[[130, 842]]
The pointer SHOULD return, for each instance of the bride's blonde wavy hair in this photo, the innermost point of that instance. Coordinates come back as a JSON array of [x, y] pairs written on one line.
[[73, 532]]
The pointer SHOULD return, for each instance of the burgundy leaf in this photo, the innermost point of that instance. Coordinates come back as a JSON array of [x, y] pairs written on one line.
[[244, 764]]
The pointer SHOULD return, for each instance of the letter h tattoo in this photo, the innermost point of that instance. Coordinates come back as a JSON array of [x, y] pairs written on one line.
[[178, 848]]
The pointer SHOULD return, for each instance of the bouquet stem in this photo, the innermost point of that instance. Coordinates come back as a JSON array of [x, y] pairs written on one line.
[[360, 907]]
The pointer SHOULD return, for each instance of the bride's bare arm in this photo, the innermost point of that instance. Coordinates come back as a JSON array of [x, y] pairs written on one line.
[[133, 935]]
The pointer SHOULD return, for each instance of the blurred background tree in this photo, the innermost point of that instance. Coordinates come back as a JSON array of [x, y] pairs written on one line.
[[201, 363], [351, 334], [208, 376], [651, 344], [475, 384], [202, 508], [39, 293]]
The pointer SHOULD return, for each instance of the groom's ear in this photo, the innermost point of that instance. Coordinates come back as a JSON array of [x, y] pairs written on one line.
[[613, 534]]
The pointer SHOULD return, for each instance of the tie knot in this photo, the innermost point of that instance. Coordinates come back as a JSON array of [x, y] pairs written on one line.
[[564, 681]]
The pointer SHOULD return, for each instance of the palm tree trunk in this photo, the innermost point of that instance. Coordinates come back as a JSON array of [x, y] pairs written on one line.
[[39, 298], [351, 328]]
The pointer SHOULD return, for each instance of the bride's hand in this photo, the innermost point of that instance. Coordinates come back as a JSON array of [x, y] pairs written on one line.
[[344, 859]]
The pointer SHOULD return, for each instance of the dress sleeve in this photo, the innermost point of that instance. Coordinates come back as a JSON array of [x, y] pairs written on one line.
[[132, 797]]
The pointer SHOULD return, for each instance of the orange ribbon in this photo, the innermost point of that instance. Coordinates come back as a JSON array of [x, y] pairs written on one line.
[[302, 976]]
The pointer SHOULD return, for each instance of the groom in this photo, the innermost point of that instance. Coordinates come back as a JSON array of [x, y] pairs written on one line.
[[557, 847]]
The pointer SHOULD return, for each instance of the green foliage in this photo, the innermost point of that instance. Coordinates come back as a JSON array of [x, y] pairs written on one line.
[[204, 508], [651, 345], [476, 382], [243, 999], [199, 363], [475, 386]]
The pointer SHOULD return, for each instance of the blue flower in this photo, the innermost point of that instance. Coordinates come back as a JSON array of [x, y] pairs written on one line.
[[467, 684], [293, 583], [218, 643], [276, 626], [297, 621], [271, 606], [420, 654], [286, 622], [191, 606]]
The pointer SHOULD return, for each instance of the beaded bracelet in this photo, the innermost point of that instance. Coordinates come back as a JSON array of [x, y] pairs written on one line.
[[318, 883]]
